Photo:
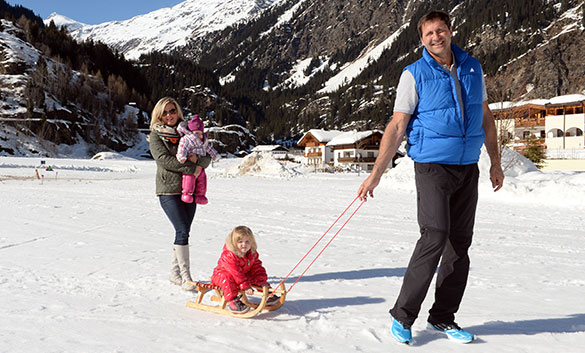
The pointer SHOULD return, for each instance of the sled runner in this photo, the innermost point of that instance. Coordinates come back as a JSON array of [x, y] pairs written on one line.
[[256, 308]]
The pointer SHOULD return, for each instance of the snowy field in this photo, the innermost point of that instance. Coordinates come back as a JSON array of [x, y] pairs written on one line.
[[85, 256]]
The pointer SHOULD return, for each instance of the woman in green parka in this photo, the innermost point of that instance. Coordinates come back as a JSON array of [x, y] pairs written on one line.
[[164, 141]]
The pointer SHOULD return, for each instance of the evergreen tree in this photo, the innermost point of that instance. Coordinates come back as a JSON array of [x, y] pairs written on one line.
[[535, 152]]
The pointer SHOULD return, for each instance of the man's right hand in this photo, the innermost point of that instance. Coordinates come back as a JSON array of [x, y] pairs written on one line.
[[368, 186]]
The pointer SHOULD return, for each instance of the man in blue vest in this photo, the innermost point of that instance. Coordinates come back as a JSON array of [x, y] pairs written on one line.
[[441, 106]]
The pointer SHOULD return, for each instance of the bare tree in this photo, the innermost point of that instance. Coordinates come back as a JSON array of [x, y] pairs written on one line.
[[505, 123]]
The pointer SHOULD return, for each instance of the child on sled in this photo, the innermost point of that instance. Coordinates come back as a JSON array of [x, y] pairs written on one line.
[[239, 268], [194, 141]]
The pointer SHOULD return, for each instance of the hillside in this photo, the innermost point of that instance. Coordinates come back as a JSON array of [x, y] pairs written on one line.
[[47, 106], [281, 67], [346, 56]]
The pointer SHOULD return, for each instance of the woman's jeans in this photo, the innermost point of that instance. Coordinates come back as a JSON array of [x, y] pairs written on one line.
[[180, 214]]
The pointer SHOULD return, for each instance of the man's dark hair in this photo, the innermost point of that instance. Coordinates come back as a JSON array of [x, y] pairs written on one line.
[[433, 15]]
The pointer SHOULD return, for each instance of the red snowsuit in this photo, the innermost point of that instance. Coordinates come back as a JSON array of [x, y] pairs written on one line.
[[234, 272]]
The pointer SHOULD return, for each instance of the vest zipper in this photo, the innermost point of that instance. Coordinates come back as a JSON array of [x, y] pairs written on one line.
[[463, 150]]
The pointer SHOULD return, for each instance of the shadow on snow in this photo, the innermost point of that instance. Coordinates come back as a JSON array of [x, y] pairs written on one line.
[[346, 275], [570, 324], [305, 306]]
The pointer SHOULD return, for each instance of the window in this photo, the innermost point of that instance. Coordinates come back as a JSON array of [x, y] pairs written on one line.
[[370, 154], [574, 131], [579, 110], [526, 135], [542, 134], [552, 133]]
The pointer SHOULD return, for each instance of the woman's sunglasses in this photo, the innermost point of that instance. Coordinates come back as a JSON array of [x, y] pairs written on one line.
[[172, 111]]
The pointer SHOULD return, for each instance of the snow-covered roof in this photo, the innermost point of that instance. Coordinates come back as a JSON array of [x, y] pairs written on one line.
[[268, 148], [351, 137], [570, 98], [321, 135], [507, 105]]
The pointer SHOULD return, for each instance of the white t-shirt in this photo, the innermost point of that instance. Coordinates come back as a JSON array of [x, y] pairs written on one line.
[[407, 96]]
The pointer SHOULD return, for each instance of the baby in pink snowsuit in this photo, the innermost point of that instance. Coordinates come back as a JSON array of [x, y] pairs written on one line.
[[194, 141]]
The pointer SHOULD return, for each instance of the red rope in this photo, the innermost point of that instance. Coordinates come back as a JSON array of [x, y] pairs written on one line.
[[325, 247]]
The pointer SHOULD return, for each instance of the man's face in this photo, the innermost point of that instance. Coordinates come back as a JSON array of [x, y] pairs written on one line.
[[436, 38]]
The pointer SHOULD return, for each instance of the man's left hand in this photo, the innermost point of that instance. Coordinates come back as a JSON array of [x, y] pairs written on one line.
[[496, 177]]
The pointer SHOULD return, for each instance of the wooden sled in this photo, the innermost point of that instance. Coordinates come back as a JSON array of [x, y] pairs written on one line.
[[265, 292]]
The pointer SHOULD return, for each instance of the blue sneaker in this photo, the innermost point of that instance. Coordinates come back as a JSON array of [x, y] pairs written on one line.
[[401, 332], [453, 332]]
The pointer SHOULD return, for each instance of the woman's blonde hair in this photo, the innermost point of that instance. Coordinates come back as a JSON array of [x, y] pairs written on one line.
[[157, 111], [237, 234]]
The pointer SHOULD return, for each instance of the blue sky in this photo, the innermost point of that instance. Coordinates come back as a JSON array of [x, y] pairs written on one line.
[[94, 11]]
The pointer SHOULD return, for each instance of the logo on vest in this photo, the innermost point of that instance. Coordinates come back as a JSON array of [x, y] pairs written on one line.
[[472, 70]]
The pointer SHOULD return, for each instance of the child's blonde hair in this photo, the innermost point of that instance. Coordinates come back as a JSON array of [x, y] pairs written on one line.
[[235, 235]]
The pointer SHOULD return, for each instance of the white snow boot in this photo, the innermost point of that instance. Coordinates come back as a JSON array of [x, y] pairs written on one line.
[[175, 277], [182, 253]]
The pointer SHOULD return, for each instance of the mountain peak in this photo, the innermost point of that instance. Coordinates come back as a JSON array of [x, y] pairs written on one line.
[[63, 21], [168, 28]]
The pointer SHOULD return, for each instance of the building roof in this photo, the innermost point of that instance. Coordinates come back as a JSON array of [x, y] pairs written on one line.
[[321, 135], [351, 137], [508, 105], [570, 98], [560, 100]]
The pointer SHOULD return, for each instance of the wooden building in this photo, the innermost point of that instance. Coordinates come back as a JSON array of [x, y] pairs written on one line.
[[356, 149], [317, 153], [565, 122], [521, 122], [556, 123]]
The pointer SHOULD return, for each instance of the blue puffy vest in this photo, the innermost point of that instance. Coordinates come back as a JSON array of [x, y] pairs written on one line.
[[436, 131]]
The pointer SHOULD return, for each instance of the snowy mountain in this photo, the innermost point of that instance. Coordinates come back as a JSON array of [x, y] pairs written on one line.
[[64, 21], [339, 61], [167, 29], [286, 66], [351, 37]]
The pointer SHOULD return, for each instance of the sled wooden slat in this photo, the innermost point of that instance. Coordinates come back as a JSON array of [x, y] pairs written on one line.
[[265, 292]]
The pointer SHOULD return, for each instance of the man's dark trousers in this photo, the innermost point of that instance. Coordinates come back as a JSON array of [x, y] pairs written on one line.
[[447, 200]]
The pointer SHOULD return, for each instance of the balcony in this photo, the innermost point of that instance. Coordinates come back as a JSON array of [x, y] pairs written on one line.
[[313, 154], [356, 160], [530, 122]]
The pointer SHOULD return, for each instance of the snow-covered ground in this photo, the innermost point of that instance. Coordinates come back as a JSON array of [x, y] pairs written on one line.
[[85, 255]]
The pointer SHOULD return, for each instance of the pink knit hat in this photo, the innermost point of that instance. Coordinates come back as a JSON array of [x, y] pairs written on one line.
[[196, 124]]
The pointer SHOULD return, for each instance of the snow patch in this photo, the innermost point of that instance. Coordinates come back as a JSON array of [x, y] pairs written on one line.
[[262, 164]]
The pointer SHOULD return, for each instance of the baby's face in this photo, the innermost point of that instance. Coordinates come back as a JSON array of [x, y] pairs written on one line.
[[199, 134], [244, 245]]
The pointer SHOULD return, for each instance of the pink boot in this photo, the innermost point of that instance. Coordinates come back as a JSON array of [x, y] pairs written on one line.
[[201, 189], [188, 188]]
